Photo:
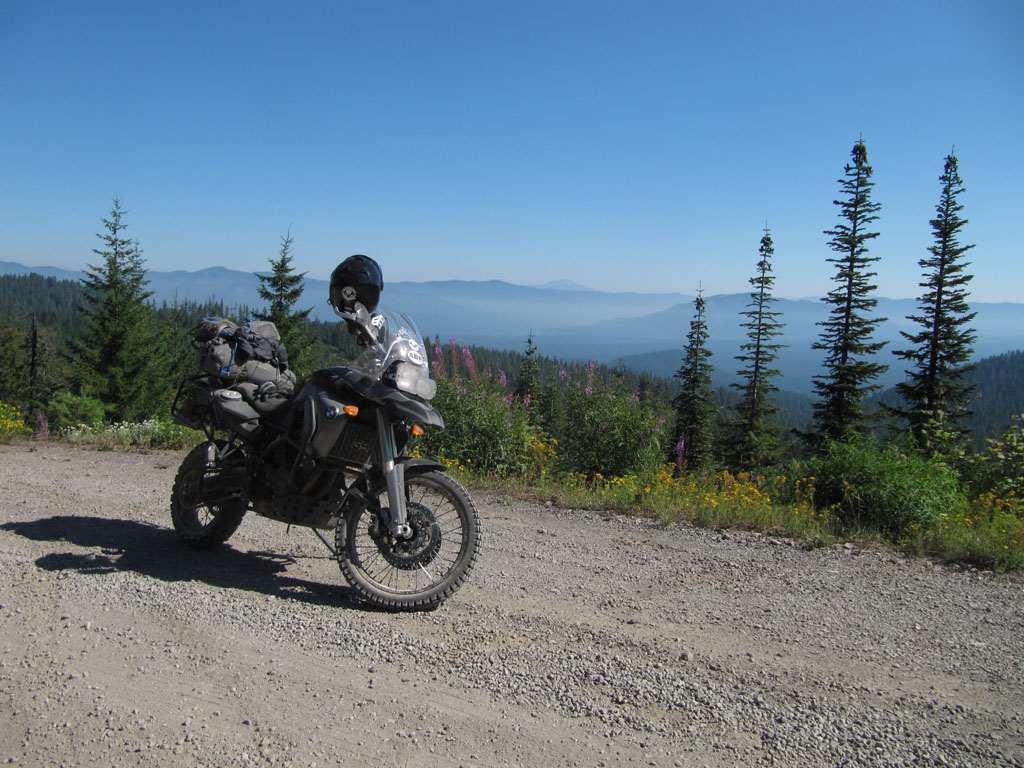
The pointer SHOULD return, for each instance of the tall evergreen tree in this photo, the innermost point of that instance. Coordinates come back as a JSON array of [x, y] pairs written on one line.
[[283, 289], [529, 369], [695, 404], [848, 330], [119, 359], [935, 392], [754, 436]]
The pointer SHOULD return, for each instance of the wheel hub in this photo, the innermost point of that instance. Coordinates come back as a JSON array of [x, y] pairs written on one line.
[[417, 550]]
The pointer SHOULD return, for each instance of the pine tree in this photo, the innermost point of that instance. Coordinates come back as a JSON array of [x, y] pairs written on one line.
[[754, 436], [695, 405], [283, 289], [847, 334], [526, 380], [935, 394], [119, 358]]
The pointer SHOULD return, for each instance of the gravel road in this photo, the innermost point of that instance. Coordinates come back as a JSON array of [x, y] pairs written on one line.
[[581, 639]]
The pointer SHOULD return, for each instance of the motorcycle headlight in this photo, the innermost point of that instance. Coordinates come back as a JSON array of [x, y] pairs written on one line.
[[414, 380]]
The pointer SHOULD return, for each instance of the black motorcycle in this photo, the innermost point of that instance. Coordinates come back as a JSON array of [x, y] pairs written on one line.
[[332, 456]]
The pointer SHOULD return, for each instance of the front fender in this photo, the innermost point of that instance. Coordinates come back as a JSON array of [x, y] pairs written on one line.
[[419, 466], [375, 478]]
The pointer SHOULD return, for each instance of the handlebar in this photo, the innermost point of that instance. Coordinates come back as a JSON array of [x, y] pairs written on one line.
[[362, 321]]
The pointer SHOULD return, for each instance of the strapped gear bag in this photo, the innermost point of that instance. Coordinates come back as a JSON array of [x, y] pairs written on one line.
[[251, 353]]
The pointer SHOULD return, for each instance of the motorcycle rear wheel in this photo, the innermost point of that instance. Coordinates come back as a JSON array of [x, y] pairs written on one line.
[[420, 573], [199, 522]]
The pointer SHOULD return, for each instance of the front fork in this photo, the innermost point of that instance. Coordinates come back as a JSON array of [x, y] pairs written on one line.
[[394, 476]]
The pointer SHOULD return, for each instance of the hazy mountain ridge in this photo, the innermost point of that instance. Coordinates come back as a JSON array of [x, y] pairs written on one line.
[[647, 331]]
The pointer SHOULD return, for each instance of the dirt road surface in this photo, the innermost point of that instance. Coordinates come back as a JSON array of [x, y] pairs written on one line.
[[581, 639]]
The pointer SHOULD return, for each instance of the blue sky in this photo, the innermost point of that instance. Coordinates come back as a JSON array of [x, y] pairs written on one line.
[[633, 145]]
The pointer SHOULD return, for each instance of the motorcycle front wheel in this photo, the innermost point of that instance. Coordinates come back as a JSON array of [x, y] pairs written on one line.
[[420, 572]]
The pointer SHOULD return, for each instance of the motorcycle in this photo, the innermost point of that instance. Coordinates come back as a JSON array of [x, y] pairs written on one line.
[[332, 457]]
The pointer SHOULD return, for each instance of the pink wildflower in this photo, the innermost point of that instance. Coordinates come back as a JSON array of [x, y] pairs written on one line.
[[474, 374]]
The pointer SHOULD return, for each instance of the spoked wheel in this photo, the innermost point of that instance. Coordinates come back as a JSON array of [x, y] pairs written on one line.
[[419, 572], [203, 521]]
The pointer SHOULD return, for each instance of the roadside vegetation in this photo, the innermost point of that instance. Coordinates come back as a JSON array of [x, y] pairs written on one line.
[[98, 365], [966, 506]]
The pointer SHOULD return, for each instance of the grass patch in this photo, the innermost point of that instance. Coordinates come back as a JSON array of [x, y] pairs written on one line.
[[987, 533], [152, 434]]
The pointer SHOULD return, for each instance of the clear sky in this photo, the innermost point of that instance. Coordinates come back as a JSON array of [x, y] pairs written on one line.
[[625, 145]]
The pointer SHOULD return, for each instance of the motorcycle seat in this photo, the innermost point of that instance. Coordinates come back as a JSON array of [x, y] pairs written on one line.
[[265, 407]]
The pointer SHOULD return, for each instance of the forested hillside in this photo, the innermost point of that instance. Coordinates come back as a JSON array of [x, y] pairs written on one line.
[[1000, 383], [53, 303], [999, 394], [54, 306]]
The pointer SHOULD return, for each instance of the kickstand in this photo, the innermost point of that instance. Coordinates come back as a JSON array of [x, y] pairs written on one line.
[[325, 541]]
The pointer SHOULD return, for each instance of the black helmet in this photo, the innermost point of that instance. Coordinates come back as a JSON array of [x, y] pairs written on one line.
[[357, 278]]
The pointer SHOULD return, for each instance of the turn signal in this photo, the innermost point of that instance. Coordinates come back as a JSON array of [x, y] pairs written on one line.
[[351, 410], [417, 430]]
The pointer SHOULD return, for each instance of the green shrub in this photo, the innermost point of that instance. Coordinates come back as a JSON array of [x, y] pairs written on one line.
[[610, 432], [882, 489], [1000, 469], [68, 410], [485, 429]]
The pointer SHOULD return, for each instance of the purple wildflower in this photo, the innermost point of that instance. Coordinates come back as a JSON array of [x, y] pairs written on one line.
[[474, 374]]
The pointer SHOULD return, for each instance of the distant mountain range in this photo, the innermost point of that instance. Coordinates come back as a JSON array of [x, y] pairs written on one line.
[[646, 331]]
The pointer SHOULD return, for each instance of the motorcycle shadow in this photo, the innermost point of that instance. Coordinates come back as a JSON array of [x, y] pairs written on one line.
[[149, 550]]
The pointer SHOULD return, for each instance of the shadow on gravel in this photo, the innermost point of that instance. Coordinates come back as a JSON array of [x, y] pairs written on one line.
[[127, 545]]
